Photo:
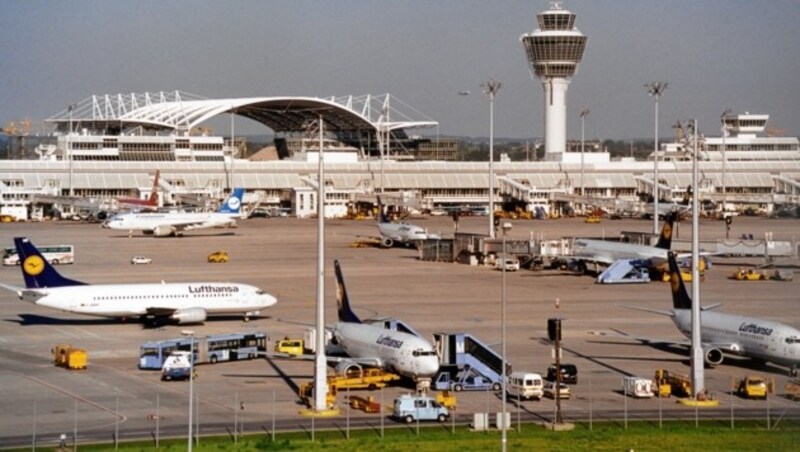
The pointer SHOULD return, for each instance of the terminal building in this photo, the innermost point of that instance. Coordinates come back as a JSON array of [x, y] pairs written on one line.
[[110, 145], [103, 152]]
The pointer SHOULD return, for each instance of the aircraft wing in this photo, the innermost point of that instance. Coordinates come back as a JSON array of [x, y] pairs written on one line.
[[604, 260], [650, 310], [363, 361], [160, 312], [642, 340], [731, 347], [366, 362]]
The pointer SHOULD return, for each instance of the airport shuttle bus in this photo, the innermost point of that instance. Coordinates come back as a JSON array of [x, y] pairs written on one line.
[[209, 349], [58, 254]]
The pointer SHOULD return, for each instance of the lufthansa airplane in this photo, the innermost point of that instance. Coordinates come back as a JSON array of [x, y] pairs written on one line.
[[374, 346], [607, 252], [175, 302], [761, 340], [175, 223], [399, 233]]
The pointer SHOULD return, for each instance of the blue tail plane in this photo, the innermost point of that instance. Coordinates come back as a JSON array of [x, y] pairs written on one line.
[[382, 218], [680, 297], [37, 272], [665, 239], [342, 301], [234, 202]]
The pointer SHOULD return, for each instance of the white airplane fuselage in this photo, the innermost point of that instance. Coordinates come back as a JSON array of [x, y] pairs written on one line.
[[401, 353], [746, 336], [402, 232], [608, 252], [171, 222], [129, 300]]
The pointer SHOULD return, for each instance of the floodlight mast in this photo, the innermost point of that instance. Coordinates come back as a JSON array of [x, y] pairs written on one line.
[[655, 89], [584, 114], [490, 88]]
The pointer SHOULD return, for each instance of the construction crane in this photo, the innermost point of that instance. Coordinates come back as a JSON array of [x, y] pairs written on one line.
[[775, 132], [17, 130]]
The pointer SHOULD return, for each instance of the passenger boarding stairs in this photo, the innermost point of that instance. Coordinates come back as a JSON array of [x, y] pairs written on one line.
[[465, 351], [625, 271]]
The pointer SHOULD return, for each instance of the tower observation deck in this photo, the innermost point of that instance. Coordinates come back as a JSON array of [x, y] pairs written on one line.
[[554, 51]]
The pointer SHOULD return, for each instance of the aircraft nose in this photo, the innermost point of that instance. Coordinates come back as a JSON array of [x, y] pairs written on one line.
[[269, 300], [430, 367]]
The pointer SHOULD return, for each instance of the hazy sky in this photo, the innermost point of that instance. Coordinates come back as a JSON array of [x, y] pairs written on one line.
[[715, 54]]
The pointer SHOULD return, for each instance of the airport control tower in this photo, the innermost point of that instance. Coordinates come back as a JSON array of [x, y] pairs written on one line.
[[554, 51]]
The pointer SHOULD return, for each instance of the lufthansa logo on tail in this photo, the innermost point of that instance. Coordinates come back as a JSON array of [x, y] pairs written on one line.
[[33, 265], [667, 230], [675, 281], [233, 203]]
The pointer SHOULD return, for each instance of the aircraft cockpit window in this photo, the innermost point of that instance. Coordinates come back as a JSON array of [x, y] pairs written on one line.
[[421, 352], [259, 292], [793, 340]]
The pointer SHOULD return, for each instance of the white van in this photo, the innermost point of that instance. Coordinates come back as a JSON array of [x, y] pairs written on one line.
[[525, 385]]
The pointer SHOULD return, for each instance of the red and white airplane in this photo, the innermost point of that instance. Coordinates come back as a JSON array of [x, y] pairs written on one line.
[[151, 203]]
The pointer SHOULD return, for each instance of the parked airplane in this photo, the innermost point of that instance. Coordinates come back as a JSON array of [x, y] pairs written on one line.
[[665, 208], [607, 252], [174, 224], [761, 340], [372, 345], [151, 203], [175, 302], [401, 233]]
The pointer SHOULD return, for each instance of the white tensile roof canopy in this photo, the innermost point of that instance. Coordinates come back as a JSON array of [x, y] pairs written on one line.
[[180, 111]]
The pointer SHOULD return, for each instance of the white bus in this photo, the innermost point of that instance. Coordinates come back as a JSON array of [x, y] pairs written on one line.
[[58, 254]]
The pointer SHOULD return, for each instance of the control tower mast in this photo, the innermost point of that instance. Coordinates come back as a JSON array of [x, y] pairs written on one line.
[[554, 51]]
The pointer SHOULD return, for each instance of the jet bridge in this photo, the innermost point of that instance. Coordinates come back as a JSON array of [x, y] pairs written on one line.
[[465, 351]]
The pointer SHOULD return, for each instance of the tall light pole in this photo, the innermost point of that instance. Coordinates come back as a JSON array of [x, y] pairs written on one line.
[[490, 88], [320, 363], [190, 333], [724, 119], [697, 378], [584, 114], [504, 377], [655, 89], [68, 145]]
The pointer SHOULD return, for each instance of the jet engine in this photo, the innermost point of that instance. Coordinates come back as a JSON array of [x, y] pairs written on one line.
[[346, 368], [712, 356], [189, 315], [386, 242], [163, 231]]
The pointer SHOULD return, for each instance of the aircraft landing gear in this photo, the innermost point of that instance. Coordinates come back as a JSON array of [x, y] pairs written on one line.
[[793, 371]]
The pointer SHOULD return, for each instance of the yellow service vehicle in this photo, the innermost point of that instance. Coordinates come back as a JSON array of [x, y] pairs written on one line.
[[218, 257], [447, 399], [748, 275], [367, 379], [753, 387], [69, 357], [667, 383], [294, 347], [792, 389]]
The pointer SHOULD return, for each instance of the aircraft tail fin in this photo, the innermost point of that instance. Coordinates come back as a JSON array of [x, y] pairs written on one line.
[[342, 301], [37, 272], [665, 239], [382, 218], [153, 199], [680, 297], [234, 202]]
